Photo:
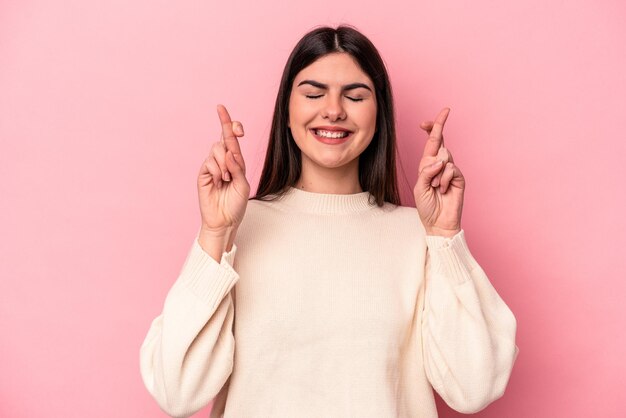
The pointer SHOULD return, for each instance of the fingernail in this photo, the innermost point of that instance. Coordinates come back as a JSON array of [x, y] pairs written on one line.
[[239, 129], [227, 176]]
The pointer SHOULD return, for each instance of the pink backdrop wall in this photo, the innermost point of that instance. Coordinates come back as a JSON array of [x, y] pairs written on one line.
[[107, 110]]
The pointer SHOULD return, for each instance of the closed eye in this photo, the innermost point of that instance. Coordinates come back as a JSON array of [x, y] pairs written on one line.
[[317, 96]]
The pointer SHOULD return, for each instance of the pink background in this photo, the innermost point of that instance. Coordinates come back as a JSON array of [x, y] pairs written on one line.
[[107, 110]]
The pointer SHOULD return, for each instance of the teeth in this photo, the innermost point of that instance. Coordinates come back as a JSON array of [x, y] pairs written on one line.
[[328, 134]]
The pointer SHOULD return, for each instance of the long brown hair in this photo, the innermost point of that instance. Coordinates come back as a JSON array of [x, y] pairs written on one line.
[[377, 163]]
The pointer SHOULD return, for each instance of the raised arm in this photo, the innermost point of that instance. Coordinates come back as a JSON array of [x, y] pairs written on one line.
[[468, 332], [187, 355]]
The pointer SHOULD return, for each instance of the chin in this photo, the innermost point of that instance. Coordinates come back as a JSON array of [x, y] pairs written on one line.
[[330, 160], [329, 163]]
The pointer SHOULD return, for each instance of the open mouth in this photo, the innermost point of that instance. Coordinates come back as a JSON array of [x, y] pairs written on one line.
[[321, 133]]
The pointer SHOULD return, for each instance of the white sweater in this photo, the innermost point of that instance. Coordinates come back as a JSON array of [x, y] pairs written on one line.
[[329, 306]]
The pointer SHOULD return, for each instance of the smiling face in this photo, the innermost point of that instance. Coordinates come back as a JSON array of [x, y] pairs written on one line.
[[332, 112]]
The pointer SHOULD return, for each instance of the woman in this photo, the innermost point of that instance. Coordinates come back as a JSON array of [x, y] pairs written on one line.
[[339, 301]]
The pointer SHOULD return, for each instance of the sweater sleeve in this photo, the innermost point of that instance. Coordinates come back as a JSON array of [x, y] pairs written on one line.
[[468, 332], [187, 355]]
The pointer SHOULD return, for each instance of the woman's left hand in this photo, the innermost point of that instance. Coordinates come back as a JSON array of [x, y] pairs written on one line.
[[440, 184]]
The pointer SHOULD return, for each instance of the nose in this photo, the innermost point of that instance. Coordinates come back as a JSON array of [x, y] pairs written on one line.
[[333, 109]]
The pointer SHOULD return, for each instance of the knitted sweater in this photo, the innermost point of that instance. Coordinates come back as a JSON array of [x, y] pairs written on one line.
[[329, 306]]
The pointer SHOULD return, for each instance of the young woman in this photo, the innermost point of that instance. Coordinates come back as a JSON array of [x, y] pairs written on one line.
[[321, 296]]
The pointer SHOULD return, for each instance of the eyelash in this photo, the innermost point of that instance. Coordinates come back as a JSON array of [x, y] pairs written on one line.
[[318, 96]]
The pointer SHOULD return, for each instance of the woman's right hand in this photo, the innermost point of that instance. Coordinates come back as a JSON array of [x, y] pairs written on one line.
[[223, 189]]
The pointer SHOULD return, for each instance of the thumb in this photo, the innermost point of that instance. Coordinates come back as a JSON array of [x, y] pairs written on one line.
[[428, 173]]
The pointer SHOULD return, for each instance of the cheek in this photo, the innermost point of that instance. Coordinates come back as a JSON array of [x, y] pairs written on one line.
[[290, 109], [301, 115], [295, 123], [369, 118], [295, 113]]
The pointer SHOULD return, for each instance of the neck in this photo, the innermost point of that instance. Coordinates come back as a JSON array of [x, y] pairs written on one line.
[[339, 180]]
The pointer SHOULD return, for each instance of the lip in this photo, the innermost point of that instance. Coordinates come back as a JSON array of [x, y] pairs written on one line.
[[331, 141], [332, 128]]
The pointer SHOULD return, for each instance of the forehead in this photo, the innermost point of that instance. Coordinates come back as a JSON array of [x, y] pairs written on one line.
[[334, 69]]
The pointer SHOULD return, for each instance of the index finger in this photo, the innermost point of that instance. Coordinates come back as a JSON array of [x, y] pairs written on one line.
[[435, 139], [229, 138]]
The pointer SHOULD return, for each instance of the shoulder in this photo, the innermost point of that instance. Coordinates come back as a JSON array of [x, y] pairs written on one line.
[[397, 213], [401, 220], [263, 207], [261, 212]]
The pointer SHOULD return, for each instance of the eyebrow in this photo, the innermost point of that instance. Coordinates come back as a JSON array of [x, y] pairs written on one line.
[[350, 86]]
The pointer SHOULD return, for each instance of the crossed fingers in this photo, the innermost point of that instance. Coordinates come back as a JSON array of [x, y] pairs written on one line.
[[228, 137], [228, 142], [435, 149]]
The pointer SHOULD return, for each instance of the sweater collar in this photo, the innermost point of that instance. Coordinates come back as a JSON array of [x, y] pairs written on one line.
[[310, 202]]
